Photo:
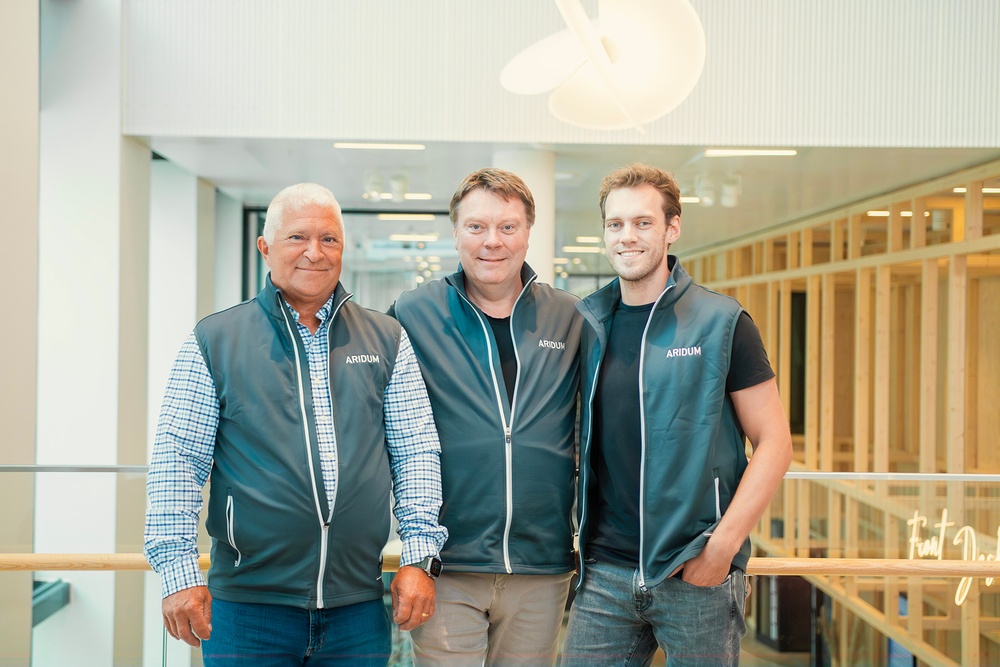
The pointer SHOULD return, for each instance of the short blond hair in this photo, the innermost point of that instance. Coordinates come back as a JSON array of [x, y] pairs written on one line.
[[636, 175]]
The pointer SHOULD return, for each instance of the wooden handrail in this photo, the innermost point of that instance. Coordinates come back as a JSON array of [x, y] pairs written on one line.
[[867, 567]]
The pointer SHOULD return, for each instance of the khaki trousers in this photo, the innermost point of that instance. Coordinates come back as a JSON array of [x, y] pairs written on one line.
[[493, 619]]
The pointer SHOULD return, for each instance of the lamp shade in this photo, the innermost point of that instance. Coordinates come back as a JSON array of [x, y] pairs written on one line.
[[634, 64]]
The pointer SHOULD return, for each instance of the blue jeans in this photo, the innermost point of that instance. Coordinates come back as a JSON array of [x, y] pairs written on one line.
[[270, 635], [614, 622]]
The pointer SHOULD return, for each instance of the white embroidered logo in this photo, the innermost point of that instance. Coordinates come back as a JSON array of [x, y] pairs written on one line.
[[362, 359], [552, 344], [684, 352]]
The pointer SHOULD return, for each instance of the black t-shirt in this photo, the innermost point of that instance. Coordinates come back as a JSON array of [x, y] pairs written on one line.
[[505, 347], [615, 455]]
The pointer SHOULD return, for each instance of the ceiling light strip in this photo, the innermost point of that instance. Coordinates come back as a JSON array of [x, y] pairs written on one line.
[[415, 238], [378, 147], [749, 152], [405, 216]]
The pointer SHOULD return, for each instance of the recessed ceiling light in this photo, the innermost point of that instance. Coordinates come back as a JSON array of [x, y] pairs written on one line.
[[748, 152], [418, 195], [405, 216], [690, 200], [560, 260], [986, 191], [378, 147], [588, 239], [585, 249], [877, 214]]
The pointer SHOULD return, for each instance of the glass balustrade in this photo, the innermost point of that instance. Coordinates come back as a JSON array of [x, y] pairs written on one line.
[[849, 569]]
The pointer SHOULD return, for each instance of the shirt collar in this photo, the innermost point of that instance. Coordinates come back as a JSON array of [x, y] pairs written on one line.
[[323, 314]]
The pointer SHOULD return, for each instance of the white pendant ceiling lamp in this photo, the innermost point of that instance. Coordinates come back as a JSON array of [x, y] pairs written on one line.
[[633, 64]]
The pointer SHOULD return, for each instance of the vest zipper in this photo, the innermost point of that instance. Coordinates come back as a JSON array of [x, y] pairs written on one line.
[[324, 523], [642, 453], [508, 426], [324, 548], [582, 482]]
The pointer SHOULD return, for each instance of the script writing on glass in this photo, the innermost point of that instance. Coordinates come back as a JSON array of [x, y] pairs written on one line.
[[933, 546]]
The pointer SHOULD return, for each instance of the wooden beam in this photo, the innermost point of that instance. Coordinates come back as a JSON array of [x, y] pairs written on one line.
[[792, 250], [974, 210], [957, 313], [918, 223], [770, 262], [838, 232], [976, 249], [814, 325], [855, 237], [883, 358], [894, 228], [772, 328], [828, 372], [785, 347], [972, 365], [807, 247], [862, 369]]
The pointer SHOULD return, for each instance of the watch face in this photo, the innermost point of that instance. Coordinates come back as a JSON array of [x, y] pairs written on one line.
[[434, 569]]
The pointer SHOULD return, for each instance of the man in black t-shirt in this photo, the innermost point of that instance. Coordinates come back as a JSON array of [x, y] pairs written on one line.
[[676, 379]]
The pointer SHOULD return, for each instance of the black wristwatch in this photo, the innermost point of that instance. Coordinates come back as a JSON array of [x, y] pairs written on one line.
[[431, 565]]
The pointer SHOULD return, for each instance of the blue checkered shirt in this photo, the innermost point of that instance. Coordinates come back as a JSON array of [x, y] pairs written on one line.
[[185, 443]]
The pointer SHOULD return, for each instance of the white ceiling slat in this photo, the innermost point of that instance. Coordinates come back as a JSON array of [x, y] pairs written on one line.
[[850, 73]]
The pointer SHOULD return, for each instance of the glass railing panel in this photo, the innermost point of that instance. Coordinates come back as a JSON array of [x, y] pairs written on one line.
[[952, 520], [861, 614]]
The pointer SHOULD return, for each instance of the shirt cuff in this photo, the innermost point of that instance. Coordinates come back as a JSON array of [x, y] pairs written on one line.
[[415, 549], [183, 573]]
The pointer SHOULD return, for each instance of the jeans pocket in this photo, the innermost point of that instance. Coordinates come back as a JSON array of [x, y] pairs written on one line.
[[718, 587]]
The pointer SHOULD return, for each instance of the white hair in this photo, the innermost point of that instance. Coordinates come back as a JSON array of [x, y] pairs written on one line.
[[297, 196]]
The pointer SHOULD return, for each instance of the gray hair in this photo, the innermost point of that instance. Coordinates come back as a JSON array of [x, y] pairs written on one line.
[[297, 196]]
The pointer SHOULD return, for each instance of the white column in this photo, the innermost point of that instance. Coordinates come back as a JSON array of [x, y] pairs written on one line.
[[81, 182], [177, 202], [173, 274], [228, 251], [537, 170]]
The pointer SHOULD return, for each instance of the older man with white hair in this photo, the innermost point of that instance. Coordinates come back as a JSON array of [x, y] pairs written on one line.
[[309, 412]]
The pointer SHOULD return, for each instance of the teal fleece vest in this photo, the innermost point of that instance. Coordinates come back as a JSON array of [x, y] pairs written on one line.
[[507, 468], [274, 539], [693, 454]]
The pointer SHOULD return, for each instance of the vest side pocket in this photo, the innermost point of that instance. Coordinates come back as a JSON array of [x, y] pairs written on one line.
[[231, 526], [718, 497]]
